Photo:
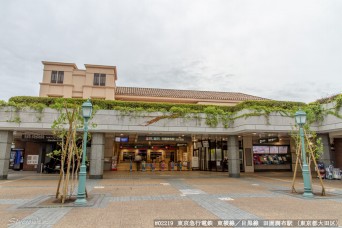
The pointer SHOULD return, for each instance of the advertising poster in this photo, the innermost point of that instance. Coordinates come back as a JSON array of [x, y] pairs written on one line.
[[195, 163], [274, 149], [261, 149], [283, 149]]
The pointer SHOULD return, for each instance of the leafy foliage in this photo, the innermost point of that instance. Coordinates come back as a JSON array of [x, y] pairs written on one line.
[[214, 114], [312, 141], [70, 152]]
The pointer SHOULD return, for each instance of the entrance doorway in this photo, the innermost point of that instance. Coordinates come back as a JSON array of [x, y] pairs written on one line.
[[213, 155]]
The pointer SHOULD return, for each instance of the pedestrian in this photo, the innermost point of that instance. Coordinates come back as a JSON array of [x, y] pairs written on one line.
[[162, 165], [138, 161], [179, 166], [143, 163]]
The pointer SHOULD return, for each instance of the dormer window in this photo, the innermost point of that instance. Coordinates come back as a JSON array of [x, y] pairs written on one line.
[[57, 77], [99, 79]]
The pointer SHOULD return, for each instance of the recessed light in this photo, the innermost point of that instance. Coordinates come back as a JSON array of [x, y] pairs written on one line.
[[254, 133]]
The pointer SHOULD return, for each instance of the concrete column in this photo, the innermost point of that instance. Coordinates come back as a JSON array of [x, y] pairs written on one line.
[[326, 157], [108, 153], [233, 156], [248, 154], [6, 138], [97, 155]]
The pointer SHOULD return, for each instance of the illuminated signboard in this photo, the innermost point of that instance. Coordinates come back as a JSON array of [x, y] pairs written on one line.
[[121, 139], [268, 140], [164, 138]]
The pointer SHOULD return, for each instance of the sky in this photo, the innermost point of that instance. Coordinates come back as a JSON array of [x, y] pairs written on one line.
[[276, 49]]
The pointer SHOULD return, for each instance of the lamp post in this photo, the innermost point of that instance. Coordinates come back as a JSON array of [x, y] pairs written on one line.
[[81, 194], [300, 120]]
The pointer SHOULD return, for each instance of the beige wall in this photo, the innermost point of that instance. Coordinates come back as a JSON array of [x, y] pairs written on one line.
[[78, 80], [78, 83]]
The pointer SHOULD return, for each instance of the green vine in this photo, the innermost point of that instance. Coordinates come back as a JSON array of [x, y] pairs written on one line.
[[214, 115], [338, 100], [16, 119]]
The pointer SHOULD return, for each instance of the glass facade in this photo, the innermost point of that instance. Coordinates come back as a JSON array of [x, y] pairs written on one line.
[[213, 155]]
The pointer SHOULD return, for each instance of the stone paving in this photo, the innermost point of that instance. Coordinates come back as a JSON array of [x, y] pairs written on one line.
[[124, 199]]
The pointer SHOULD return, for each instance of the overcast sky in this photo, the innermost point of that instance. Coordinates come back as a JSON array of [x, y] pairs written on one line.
[[283, 50]]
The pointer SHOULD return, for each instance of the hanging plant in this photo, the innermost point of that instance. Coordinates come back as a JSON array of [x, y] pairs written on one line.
[[214, 115]]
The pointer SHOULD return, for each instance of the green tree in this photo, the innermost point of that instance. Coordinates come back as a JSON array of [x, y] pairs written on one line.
[[66, 127]]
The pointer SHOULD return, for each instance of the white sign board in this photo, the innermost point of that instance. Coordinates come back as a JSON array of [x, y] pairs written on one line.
[[195, 163], [32, 159], [205, 143]]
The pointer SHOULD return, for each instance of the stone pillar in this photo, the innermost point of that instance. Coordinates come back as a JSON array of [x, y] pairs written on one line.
[[97, 155], [326, 157], [233, 156], [6, 138], [108, 153], [248, 154]]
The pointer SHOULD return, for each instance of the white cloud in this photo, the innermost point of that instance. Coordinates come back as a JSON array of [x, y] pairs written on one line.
[[287, 50]]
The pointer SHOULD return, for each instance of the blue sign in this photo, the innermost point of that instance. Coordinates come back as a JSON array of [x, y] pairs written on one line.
[[124, 139]]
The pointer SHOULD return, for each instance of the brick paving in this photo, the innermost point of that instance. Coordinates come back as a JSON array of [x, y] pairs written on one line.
[[136, 199], [45, 217]]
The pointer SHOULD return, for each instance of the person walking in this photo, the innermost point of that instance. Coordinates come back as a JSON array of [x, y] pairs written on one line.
[[138, 161]]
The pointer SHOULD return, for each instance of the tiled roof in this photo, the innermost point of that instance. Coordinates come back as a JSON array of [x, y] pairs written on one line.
[[188, 94]]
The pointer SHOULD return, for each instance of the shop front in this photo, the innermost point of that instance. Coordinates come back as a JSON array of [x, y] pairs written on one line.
[[29, 150], [272, 154], [158, 152], [213, 154]]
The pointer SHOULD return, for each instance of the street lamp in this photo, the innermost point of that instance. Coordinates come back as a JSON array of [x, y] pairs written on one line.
[[87, 108], [300, 120]]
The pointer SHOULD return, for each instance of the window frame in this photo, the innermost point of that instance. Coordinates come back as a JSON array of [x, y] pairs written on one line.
[[99, 79], [57, 77]]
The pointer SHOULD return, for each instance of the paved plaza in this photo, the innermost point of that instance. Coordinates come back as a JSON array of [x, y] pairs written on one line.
[[137, 199]]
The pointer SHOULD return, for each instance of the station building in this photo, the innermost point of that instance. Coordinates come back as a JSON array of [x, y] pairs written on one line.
[[248, 145]]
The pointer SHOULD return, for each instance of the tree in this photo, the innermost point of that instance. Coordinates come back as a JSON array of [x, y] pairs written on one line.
[[66, 128]]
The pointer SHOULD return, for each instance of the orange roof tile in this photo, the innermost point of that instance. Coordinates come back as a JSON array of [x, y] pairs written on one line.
[[190, 94]]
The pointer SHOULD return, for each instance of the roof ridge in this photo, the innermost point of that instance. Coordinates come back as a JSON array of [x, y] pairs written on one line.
[[189, 90], [181, 93]]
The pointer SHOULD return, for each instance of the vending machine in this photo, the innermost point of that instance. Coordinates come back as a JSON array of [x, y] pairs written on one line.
[[18, 159]]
